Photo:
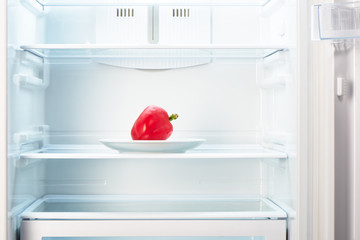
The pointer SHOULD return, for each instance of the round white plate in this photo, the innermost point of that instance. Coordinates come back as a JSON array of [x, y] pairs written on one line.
[[154, 146]]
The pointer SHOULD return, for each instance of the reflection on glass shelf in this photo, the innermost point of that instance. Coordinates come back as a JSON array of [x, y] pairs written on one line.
[[202, 152], [153, 2], [336, 21], [154, 207], [96, 51], [160, 205]]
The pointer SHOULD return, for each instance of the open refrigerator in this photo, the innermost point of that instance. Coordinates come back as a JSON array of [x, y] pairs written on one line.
[[245, 79]]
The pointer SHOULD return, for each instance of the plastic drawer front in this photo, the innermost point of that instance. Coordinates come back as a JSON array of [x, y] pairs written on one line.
[[126, 217], [133, 229]]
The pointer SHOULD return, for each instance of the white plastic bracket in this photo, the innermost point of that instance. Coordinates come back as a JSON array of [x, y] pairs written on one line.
[[344, 87], [29, 141], [275, 82], [339, 86], [33, 6], [342, 45], [27, 81], [271, 7], [39, 134]]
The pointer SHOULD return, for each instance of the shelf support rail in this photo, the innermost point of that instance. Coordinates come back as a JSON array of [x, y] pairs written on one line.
[[29, 141]]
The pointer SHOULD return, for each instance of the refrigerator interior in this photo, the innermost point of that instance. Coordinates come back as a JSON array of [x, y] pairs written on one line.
[[83, 70]]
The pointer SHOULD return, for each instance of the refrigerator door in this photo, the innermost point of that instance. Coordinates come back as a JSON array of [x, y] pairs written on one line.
[[316, 180], [338, 24], [356, 168], [346, 77]]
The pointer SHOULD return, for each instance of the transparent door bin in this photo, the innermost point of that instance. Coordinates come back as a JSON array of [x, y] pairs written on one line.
[[336, 21], [147, 217]]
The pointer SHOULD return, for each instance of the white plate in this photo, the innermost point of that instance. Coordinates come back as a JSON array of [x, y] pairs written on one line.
[[154, 146]]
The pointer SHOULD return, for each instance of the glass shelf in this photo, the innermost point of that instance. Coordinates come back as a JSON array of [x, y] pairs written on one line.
[[153, 2], [336, 21], [57, 207], [97, 51], [202, 152]]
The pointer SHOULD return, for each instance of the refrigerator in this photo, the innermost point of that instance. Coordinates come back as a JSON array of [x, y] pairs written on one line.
[[265, 145]]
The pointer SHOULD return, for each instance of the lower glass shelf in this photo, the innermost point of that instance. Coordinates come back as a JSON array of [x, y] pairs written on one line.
[[152, 207]]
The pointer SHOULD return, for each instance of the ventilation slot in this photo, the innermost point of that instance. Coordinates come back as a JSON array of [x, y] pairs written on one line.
[[181, 12], [125, 12]]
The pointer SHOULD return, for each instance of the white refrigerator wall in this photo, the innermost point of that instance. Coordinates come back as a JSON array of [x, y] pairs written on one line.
[[25, 104], [25, 112], [223, 101], [104, 100], [3, 121]]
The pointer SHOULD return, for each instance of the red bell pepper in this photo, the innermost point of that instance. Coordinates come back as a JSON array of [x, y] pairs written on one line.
[[153, 124]]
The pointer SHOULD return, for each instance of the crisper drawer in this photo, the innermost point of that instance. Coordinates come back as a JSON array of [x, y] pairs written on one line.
[[147, 218]]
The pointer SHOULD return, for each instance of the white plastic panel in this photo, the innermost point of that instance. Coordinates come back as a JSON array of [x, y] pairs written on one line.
[[236, 25], [184, 25], [70, 25], [157, 25], [270, 229], [115, 25], [166, 24]]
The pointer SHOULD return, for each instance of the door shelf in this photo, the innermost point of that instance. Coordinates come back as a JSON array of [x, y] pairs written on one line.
[[202, 152], [153, 2], [107, 51], [336, 21]]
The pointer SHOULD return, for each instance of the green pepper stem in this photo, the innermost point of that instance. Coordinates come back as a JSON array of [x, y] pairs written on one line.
[[173, 117]]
